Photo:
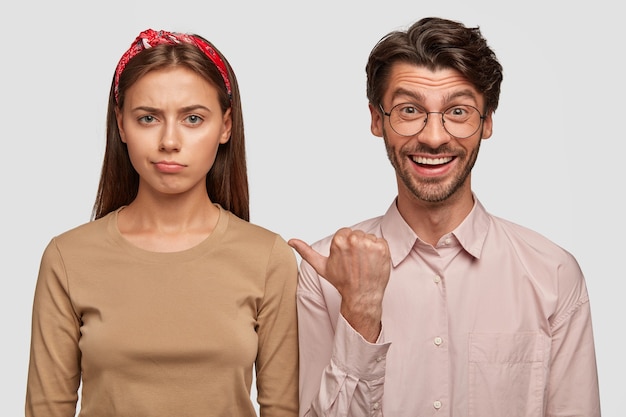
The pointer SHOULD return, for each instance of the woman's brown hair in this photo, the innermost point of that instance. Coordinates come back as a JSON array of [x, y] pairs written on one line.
[[226, 182]]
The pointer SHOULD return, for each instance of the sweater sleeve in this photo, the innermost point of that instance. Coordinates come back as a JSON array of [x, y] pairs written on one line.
[[54, 368], [277, 360]]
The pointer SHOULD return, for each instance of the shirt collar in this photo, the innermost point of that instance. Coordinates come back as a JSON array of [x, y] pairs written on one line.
[[471, 233]]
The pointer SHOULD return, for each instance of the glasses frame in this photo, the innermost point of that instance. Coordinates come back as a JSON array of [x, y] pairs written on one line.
[[443, 121]]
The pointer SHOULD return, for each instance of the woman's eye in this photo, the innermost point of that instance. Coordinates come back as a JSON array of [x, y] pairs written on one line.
[[194, 119], [146, 119]]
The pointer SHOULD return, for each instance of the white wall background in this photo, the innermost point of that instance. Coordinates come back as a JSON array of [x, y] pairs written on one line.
[[555, 162]]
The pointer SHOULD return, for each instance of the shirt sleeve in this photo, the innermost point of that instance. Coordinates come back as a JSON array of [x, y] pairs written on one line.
[[573, 385], [341, 374], [277, 360], [54, 368]]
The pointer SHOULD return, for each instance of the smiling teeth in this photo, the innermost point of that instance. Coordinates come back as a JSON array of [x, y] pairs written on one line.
[[431, 161]]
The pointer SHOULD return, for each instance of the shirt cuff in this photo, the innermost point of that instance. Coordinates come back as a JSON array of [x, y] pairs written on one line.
[[356, 356]]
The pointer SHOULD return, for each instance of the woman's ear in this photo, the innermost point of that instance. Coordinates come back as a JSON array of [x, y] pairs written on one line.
[[120, 123], [227, 126]]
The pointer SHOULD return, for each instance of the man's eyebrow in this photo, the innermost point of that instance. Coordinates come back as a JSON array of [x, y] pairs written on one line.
[[448, 98], [408, 93], [461, 93]]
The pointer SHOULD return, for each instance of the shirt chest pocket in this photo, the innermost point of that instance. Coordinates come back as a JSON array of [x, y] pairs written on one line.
[[507, 374]]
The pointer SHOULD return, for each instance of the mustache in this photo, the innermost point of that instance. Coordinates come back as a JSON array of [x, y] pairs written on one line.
[[424, 149]]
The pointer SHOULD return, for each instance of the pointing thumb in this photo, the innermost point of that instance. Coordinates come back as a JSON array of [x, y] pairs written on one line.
[[316, 260]]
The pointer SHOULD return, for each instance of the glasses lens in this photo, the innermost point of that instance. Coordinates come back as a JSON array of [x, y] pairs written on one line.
[[461, 121], [407, 119]]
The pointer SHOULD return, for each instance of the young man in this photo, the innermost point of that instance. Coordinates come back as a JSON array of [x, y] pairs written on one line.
[[437, 307]]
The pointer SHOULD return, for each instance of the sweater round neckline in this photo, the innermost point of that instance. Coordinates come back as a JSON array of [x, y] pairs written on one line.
[[201, 249]]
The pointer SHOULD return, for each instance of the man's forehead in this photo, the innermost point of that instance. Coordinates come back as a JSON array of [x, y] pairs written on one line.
[[403, 72], [422, 83]]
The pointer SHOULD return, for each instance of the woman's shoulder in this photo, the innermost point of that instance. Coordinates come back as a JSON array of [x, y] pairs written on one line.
[[253, 233], [85, 232]]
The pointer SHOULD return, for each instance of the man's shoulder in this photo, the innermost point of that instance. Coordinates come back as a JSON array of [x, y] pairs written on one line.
[[524, 236], [371, 225]]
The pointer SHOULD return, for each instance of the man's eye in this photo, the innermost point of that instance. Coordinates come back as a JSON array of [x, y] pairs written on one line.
[[458, 111], [409, 109], [409, 112]]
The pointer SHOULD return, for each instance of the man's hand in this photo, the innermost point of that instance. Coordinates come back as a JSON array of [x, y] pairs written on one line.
[[358, 265]]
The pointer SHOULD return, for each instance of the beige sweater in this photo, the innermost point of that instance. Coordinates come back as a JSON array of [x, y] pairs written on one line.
[[164, 334]]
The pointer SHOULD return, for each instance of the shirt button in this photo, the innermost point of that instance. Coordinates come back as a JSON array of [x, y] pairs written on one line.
[[437, 279], [380, 358], [438, 340], [447, 241], [437, 405], [376, 406]]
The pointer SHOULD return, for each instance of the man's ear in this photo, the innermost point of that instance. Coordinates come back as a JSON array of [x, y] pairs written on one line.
[[377, 120], [487, 126]]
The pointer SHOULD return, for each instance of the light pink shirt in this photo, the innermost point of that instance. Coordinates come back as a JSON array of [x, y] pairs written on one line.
[[494, 321]]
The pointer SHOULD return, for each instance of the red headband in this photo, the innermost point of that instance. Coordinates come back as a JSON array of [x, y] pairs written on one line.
[[149, 38]]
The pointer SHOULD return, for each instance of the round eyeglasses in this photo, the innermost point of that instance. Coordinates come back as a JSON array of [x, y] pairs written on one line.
[[460, 121]]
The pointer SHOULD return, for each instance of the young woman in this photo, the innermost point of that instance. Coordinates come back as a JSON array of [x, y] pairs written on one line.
[[165, 303]]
